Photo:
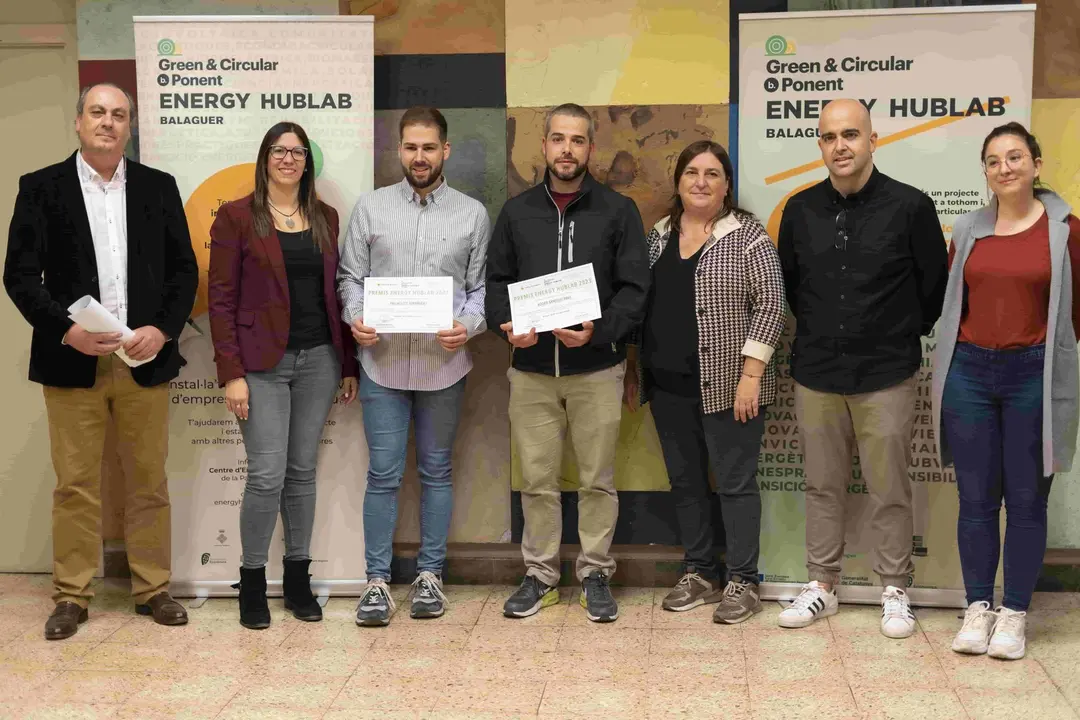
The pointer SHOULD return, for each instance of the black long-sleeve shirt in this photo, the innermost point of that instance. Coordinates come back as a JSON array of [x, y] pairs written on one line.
[[860, 308]]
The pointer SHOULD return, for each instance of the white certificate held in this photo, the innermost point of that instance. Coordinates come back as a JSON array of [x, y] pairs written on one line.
[[409, 304], [559, 300]]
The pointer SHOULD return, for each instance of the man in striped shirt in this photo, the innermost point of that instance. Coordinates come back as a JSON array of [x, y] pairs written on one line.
[[418, 227]]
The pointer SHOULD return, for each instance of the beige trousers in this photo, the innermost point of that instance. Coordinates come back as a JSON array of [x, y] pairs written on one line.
[[879, 424], [78, 418], [542, 409]]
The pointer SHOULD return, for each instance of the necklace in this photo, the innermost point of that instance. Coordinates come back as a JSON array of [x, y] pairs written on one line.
[[288, 218]]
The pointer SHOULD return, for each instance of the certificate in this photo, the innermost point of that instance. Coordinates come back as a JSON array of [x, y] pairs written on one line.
[[559, 300], [409, 304]]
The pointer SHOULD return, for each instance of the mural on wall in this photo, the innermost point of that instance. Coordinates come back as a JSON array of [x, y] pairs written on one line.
[[432, 27], [617, 52]]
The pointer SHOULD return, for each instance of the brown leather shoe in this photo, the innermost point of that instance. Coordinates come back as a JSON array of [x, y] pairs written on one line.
[[64, 621], [165, 610]]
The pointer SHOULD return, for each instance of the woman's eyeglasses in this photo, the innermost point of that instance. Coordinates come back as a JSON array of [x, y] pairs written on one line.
[[278, 152]]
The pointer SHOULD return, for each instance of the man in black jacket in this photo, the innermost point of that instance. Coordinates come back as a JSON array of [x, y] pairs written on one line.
[[568, 378], [97, 224]]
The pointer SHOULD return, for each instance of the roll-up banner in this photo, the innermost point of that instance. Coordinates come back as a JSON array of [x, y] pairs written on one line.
[[210, 87]]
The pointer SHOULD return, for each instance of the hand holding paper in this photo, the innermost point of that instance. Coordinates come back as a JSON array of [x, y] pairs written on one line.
[[89, 314]]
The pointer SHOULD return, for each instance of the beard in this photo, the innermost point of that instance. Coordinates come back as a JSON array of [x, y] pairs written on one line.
[[568, 176], [433, 176]]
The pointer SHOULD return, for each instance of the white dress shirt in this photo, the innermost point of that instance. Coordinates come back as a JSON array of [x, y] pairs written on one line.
[[106, 209]]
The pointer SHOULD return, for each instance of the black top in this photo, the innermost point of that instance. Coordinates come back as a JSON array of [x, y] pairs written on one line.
[[670, 343], [308, 326], [861, 304]]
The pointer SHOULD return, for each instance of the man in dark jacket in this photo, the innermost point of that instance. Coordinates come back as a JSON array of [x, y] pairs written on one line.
[[100, 225], [568, 378]]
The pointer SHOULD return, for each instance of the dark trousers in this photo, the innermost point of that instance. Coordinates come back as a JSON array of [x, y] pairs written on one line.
[[992, 416], [691, 441]]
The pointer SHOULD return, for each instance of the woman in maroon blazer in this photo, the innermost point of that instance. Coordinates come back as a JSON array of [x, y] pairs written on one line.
[[281, 352]]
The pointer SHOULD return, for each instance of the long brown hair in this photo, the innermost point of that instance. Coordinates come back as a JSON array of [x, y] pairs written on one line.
[[692, 151], [308, 200]]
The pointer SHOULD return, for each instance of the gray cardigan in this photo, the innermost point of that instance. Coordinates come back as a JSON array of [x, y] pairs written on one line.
[[1060, 408]]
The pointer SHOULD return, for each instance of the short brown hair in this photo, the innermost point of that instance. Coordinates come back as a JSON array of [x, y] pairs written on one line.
[[571, 110], [427, 116]]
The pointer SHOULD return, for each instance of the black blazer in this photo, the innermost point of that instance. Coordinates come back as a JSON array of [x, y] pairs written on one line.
[[51, 264]]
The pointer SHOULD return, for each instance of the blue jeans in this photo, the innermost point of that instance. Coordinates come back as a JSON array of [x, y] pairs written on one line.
[[992, 416], [387, 413], [288, 406]]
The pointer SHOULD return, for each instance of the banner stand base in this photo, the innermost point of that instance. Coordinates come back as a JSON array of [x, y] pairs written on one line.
[[871, 595], [323, 589]]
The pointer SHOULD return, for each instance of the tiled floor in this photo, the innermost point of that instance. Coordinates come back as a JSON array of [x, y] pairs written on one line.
[[473, 663]]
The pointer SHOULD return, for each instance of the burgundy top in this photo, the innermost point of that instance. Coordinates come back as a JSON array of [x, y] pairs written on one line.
[[1007, 287], [562, 199]]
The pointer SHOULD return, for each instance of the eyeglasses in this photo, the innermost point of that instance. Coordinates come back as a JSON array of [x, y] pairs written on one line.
[[1014, 160], [278, 152], [841, 231]]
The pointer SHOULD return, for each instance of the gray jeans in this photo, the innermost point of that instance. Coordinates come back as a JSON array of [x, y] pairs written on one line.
[[288, 406]]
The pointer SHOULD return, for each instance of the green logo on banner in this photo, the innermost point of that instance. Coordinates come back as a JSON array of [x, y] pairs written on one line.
[[167, 47], [779, 45]]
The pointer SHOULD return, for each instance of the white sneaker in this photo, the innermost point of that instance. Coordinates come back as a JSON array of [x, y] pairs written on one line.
[[812, 603], [974, 635], [1007, 642], [897, 620]]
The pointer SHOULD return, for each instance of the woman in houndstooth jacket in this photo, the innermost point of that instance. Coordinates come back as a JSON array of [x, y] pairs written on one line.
[[705, 362]]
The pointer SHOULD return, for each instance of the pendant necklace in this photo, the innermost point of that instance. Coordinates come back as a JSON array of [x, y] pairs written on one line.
[[288, 218]]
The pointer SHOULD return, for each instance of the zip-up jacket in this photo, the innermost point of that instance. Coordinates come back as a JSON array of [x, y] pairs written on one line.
[[532, 238]]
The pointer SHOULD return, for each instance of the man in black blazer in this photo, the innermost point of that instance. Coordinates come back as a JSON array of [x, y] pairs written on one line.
[[101, 225]]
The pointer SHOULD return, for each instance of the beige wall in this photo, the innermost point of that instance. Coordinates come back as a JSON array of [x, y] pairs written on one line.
[[38, 81]]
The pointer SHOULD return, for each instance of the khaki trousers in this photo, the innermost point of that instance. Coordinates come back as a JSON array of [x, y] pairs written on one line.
[[78, 418], [542, 408], [880, 423]]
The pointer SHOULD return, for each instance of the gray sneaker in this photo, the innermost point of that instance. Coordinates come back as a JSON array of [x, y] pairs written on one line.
[[690, 592], [376, 606], [740, 602], [428, 599]]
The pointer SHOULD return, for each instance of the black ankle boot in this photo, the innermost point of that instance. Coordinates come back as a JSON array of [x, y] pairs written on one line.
[[296, 586], [254, 611]]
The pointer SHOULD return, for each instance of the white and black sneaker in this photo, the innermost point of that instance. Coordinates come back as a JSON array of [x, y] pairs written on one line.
[[897, 620], [375, 606], [812, 603], [428, 600]]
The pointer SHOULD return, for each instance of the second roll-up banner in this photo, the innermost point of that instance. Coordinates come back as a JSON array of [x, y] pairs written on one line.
[[209, 88], [935, 81]]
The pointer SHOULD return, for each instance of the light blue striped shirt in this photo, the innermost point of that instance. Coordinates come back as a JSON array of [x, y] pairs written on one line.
[[393, 234]]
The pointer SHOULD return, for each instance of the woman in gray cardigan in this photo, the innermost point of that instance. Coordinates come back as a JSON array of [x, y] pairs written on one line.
[[1005, 382]]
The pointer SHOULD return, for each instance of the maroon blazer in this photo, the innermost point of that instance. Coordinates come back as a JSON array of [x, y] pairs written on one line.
[[249, 295]]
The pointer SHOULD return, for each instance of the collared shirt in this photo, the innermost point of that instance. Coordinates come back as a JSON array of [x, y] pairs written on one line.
[[395, 233], [861, 304], [106, 209]]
